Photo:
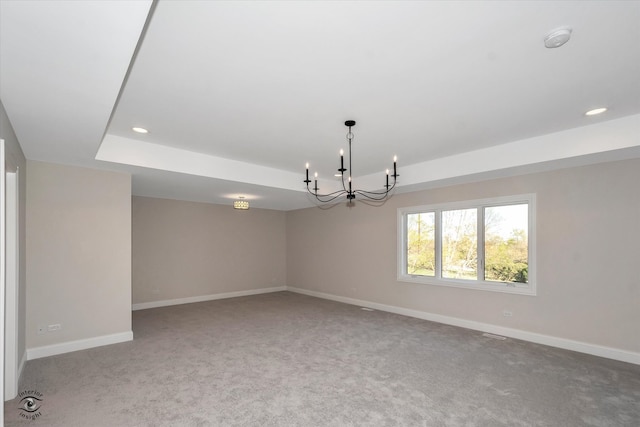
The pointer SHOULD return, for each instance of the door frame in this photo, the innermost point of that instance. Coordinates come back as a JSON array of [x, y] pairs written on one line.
[[12, 282], [2, 268], [9, 276]]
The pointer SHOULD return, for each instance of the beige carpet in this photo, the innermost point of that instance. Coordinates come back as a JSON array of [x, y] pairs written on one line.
[[285, 359]]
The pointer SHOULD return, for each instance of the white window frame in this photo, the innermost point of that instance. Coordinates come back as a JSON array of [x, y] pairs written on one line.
[[528, 288]]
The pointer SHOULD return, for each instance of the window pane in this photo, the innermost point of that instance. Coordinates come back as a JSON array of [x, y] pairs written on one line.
[[506, 243], [421, 244], [459, 244]]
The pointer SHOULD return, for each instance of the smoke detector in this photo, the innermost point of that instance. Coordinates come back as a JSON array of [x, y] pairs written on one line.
[[557, 38]]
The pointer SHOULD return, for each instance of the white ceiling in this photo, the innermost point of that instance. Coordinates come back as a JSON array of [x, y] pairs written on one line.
[[239, 95]]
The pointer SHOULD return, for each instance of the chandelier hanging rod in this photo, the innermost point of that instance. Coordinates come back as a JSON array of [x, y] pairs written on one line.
[[347, 185]]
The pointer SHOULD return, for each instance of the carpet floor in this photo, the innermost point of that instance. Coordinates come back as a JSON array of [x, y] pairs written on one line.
[[285, 359]]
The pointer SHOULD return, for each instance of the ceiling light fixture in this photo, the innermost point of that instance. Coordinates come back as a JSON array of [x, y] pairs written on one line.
[[557, 38], [241, 204], [347, 183], [595, 111], [139, 130]]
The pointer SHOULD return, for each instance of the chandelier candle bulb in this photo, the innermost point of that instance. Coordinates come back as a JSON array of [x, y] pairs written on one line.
[[387, 186], [395, 159], [341, 161]]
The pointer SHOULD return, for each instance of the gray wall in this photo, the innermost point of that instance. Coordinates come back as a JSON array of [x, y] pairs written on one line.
[[78, 252], [16, 157], [588, 234], [81, 224], [188, 249]]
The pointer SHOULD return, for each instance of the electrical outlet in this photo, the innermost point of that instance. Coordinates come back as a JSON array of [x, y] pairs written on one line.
[[507, 313], [54, 327], [41, 329]]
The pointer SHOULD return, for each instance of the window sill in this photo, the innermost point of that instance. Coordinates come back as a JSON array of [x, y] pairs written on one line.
[[509, 288]]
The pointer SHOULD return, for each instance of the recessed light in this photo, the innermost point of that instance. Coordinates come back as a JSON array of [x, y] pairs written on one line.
[[139, 130], [595, 111]]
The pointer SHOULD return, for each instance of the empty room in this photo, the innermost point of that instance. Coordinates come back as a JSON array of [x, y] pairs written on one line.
[[320, 213]]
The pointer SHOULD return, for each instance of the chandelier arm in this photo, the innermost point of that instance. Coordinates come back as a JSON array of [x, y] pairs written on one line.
[[381, 192], [372, 195], [325, 198], [377, 195], [344, 187], [329, 199], [318, 196], [333, 195]]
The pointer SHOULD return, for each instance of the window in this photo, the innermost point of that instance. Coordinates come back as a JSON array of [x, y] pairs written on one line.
[[481, 244]]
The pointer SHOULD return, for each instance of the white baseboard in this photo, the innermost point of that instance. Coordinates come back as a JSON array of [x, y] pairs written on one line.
[[202, 298], [69, 346], [567, 344]]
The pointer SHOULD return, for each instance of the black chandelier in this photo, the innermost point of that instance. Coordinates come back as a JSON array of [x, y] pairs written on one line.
[[347, 190]]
